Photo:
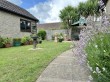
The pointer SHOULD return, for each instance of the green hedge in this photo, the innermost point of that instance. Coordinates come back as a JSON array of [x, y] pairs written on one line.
[[98, 55], [42, 34]]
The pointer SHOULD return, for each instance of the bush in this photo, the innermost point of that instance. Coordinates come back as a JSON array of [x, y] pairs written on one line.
[[24, 41], [1, 42], [17, 39], [7, 42], [29, 40], [98, 55], [42, 34], [60, 37]]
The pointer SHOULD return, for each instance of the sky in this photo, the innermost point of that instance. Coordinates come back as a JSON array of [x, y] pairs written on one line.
[[47, 11]]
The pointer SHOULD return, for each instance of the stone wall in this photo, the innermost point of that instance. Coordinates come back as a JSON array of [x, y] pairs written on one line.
[[10, 25], [50, 33]]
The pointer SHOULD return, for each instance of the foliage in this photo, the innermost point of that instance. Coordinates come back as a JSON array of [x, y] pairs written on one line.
[[99, 57], [34, 35], [42, 34], [29, 39], [1, 42], [88, 8], [16, 39], [60, 37], [25, 65], [7, 40], [69, 15], [24, 40]]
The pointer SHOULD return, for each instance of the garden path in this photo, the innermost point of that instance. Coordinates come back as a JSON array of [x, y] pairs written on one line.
[[65, 68]]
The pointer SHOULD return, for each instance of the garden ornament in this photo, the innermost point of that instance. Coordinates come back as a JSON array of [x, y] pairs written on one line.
[[34, 37]]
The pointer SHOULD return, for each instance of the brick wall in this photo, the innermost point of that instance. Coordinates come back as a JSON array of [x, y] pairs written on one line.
[[10, 25]]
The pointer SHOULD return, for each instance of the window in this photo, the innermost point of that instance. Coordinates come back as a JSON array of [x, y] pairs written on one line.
[[25, 26]]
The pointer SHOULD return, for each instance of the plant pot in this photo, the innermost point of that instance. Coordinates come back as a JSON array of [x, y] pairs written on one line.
[[7, 45], [30, 42], [17, 43]]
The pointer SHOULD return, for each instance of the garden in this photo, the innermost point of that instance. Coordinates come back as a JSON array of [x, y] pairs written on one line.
[[18, 64], [6, 42]]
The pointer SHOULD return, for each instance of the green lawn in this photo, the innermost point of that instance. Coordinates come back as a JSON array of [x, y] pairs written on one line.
[[18, 64]]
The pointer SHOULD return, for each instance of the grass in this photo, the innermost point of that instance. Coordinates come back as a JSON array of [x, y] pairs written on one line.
[[18, 64]]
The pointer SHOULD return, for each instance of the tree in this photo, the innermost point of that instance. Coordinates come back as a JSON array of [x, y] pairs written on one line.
[[88, 8], [68, 15]]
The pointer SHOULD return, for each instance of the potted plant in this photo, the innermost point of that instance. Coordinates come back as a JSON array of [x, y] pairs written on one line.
[[7, 42], [17, 41], [24, 41], [29, 40], [60, 37]]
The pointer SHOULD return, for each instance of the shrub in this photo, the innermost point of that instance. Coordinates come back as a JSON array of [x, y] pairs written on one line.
[[1, 42], [7, 42], [98, 56], [29, 40], [24, 41], [42, 34], [60, 37], [17, 39]]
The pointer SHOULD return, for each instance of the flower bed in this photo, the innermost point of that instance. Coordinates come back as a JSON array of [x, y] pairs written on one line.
[[9, 42], [98, 50]]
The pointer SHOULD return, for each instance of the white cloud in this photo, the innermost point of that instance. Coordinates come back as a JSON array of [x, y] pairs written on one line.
[[49, 11], [17, 2]]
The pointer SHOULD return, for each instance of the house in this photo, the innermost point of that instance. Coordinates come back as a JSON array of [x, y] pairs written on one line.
[[15, 21]]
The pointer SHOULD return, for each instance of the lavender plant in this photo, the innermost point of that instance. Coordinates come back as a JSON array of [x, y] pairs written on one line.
[[89, 34], [99, 57]]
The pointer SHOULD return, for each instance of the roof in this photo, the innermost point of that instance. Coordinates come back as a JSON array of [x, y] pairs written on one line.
[[10, 7], [56, 25]]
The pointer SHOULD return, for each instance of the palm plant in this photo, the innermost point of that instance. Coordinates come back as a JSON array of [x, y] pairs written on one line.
[[68, 15]]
